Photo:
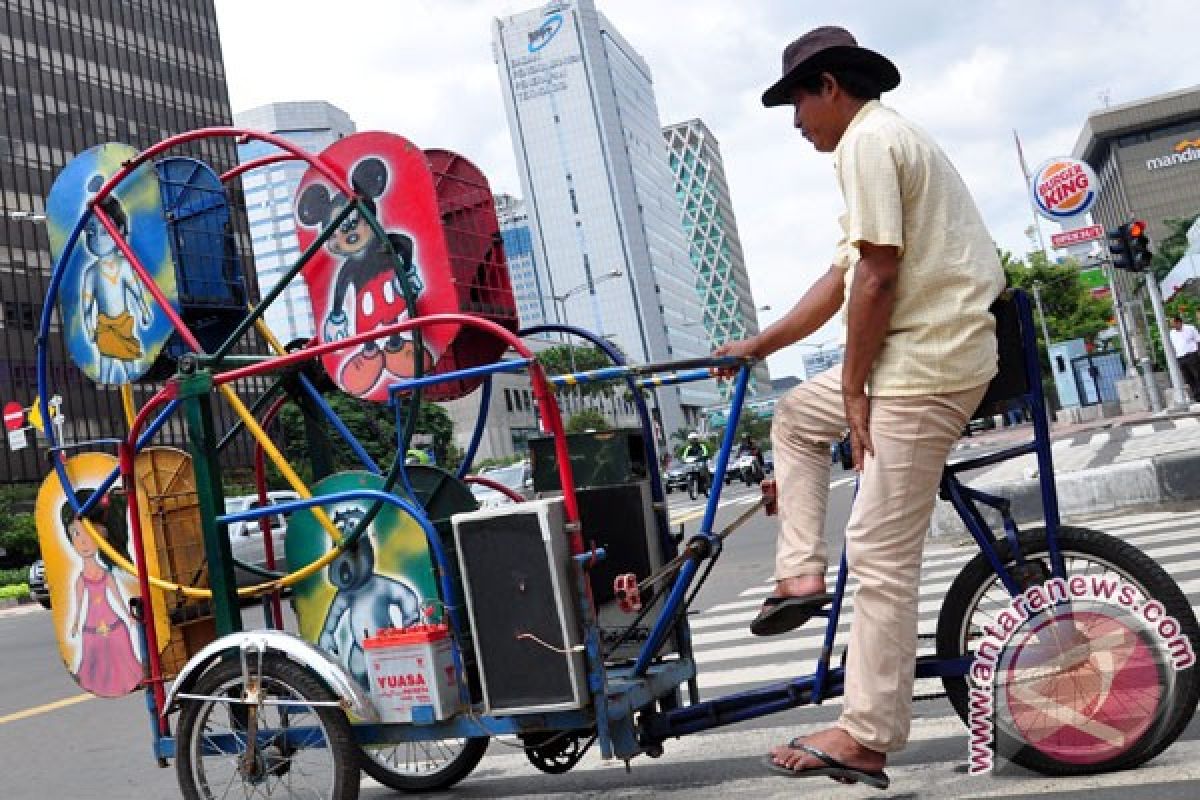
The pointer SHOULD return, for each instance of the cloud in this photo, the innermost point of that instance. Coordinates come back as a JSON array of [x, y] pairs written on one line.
[[972, 73]]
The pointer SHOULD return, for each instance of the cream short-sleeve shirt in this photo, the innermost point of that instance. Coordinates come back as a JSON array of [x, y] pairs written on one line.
[[901, 190]]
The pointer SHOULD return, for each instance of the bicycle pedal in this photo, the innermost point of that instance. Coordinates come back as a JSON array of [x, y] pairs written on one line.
[[629, 598], [770, 494]]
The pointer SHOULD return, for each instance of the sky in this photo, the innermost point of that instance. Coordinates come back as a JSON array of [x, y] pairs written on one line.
[[972, 72]]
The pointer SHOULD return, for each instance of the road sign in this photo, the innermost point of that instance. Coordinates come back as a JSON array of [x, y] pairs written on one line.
[[17, 439], [1088, 233], [14, 416]]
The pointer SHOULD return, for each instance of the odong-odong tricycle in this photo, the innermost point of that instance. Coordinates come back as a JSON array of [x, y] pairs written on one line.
[[423, 626]]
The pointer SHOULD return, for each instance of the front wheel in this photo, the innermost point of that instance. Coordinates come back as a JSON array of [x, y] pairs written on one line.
[[304, 747], [1090, 689], [423, 766]]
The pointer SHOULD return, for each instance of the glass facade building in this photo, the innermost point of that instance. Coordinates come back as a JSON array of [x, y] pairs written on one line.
[[269, 192], [522, 268], [598, 190], [74, 75], [715, 248]]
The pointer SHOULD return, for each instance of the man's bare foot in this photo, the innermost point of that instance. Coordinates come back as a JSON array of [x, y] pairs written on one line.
[[800, 586], [836, 743]]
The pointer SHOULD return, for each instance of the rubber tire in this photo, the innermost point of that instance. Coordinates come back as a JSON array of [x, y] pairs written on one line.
[[1144, 571], [340, 737], [444, 778]]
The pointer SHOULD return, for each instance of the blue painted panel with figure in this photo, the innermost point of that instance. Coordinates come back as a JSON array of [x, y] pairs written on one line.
[[112, 325]]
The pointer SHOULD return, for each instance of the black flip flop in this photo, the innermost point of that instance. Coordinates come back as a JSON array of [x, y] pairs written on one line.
[[832, 769], [782, 614]]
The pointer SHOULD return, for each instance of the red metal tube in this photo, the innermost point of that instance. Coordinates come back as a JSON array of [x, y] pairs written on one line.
[[264, 523], [210, 133], [496, 485], [253, 164], [176, 321], [125, 460]]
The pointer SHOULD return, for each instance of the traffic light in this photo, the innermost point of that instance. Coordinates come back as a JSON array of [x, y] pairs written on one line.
[[1119, 246], [1139, 247]]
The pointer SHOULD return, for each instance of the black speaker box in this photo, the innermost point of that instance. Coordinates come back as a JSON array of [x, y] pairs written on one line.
[[621, 520], [515, 565]]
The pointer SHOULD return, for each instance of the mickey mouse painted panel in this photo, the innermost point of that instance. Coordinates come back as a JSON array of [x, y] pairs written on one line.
[[355, 280]]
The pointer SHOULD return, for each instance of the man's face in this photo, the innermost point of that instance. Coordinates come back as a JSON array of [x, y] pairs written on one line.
[[1176, 324], [815, 115]]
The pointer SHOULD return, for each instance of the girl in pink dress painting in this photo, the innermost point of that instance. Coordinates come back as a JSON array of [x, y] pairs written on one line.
[[108, 666]]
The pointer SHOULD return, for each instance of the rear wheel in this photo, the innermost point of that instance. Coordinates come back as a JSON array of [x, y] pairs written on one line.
[[1092, 689], [423, 766]]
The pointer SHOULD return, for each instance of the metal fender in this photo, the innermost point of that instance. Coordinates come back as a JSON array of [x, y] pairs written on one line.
[[353, 697]]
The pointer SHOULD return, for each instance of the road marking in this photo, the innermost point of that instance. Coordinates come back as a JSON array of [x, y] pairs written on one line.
[[46, 708]]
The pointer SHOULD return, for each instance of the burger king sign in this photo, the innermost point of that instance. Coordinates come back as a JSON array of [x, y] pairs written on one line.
[[1063, 188]]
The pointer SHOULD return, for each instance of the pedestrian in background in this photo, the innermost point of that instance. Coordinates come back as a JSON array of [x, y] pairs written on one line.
[[1185, 341]]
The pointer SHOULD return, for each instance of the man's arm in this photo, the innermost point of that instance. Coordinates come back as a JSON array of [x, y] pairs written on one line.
[[814, 309], [872, 298]]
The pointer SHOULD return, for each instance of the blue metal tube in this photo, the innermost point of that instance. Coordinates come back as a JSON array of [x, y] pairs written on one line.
[[666, 617], [666, 545], [735, 414], [980, 533], [485, 404], [672, 378], [107, 483], [43, 338], [513, 365], [591, 376], [992, 459], [831, 625], [1041, 430], [435, 545], [363, 456]]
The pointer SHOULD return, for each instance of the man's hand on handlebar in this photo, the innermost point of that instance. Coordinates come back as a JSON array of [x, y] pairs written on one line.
[[743, 348]]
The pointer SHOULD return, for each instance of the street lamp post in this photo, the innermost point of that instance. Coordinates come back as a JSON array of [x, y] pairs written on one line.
[[561, 303]]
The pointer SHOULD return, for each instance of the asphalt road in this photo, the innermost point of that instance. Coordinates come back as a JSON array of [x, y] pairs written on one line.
[[59, 743]]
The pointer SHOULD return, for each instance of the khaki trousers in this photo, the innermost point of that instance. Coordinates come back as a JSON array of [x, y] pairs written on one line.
[[912, 436]]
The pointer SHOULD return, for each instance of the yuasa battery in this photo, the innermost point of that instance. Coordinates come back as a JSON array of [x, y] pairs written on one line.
[[412, 667]]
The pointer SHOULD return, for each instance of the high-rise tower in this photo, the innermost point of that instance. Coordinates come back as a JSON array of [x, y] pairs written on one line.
[[599, 194], [716, 250]]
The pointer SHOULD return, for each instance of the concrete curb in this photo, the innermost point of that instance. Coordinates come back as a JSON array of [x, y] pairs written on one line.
[[1170, 478]]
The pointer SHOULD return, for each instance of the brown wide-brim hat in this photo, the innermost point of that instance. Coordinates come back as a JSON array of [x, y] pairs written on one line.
[[822, 49]]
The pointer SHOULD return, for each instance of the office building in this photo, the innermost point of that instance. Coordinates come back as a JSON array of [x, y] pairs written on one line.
[[1147, 157], [600, 197], [72, 76], [269, 192], [522, 268], [722, 284]]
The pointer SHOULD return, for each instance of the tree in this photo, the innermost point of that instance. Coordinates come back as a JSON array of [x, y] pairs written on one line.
[[372, 424], [1072, 312], [1171, 248], [589, 419]]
